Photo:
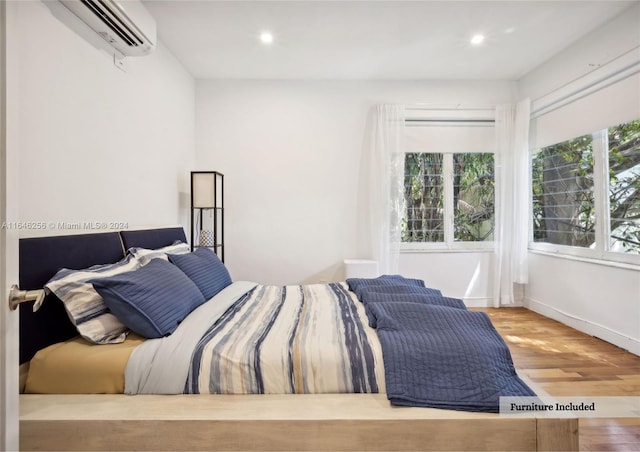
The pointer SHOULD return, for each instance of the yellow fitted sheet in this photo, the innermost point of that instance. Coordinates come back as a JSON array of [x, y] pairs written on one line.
[[79, 367]]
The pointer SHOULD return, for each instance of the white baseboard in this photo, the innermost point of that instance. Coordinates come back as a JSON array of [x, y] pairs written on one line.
[[480, 302], [586, 326]]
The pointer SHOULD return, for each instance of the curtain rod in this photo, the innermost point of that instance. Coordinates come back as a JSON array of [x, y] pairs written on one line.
[[476, 121], [440, 107]]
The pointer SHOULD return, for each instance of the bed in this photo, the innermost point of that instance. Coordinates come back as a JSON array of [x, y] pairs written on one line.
[[343, 394]]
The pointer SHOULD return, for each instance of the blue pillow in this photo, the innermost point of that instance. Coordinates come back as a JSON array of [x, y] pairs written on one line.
[[151, 300], [205, 269]]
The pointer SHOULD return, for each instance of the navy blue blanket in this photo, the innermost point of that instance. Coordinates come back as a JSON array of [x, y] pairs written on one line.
[[359, 284], [441, 356], [377, 297]]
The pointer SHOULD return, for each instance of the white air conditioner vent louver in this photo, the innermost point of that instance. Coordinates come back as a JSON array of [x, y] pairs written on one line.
[[127, 26]]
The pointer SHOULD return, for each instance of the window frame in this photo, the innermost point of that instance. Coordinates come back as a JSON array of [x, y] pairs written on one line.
[[601, 251]]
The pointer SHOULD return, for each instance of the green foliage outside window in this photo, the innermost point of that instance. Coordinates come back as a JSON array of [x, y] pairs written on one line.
[[424, 198], [473, 190], [563, 199], [624, 187], [473, 197]]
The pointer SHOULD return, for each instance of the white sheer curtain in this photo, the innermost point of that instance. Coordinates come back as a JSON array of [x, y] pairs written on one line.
[[384, 187], [512, 199]]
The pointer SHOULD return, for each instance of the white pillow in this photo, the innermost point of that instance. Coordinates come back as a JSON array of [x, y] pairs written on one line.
[[144, 256]]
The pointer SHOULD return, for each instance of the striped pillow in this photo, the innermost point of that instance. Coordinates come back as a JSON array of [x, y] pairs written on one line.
[[85, 307], [144, 256], [152, 300], [205, 269]]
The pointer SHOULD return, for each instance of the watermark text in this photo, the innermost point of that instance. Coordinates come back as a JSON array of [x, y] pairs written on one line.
[[65, 225]]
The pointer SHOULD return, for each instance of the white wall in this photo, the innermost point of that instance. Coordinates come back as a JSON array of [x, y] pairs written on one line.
[[597, 49], [98, 144], [601, 300], [466, 275], [291, 153], [598, 299]]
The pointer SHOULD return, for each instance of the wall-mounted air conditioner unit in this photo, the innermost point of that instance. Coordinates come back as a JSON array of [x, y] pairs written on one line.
[[126, 25]]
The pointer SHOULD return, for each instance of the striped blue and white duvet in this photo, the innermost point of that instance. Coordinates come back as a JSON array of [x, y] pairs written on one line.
[[254, 339]]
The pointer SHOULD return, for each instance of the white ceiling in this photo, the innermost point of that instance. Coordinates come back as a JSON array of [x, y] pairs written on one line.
[[382, 40]]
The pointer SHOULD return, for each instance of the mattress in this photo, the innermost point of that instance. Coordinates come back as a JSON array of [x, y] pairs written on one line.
[[79, 367]]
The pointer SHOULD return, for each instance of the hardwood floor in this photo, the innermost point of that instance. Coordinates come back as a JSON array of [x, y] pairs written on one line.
[[566, 362]]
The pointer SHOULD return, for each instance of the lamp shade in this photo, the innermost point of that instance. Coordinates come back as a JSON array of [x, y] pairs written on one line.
[[203, 189]]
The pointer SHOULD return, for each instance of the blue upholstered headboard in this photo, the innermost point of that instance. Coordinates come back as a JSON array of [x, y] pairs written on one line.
[[42, 257]]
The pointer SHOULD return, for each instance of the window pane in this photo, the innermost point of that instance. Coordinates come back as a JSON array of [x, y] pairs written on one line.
[[563, 202], [624, 187], [424, 198], [473, 197]]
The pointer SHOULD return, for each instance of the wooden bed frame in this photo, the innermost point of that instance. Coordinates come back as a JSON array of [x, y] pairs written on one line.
[[322, 422], [317, 422]]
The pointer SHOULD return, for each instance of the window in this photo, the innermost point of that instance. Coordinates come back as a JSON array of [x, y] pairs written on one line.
[[586, 193], [563, 197], [473, 197], [449, 180], [624, 187], [449, 197], [424, 198]]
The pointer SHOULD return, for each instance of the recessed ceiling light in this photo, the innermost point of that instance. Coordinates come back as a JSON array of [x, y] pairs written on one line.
[[476, 40], [266, 37]]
